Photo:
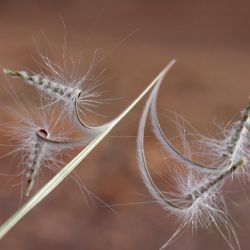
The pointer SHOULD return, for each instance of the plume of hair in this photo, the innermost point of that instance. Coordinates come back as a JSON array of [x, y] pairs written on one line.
[[74, 95], [200, 200]]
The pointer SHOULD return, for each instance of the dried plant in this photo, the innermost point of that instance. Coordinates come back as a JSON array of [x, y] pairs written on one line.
[[39, 147], [199, 199]]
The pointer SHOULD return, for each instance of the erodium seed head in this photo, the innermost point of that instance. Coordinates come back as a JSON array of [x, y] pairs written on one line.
[[234, 145], [35, 158], [37, 139], [198, 200], [76, 96], [54, 89]]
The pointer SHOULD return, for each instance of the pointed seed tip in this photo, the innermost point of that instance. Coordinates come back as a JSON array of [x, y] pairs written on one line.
[[8, 72]]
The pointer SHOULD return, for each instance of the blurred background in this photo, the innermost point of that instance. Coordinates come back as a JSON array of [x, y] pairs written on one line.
[[132, 41]]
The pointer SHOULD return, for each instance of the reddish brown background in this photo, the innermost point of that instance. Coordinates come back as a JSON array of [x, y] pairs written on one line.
[[211, 41]]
